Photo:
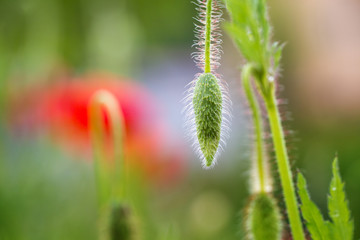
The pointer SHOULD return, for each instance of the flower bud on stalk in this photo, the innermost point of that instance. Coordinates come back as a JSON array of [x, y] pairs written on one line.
[[263, 219], [207, 100], [114, 217], [251, 31]]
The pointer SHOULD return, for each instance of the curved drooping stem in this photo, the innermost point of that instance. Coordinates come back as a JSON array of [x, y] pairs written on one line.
[[280, 149], [110, 171], [261, 170]]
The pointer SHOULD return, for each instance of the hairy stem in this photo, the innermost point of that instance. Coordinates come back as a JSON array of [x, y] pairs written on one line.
[[284, 167], [207, 68], [258, 125]]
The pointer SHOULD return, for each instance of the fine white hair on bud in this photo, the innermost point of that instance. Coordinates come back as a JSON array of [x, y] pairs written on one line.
[[207, 104]]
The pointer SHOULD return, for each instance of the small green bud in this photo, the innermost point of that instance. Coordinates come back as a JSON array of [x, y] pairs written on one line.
[[118, 221], [263, 220], [207, 103], [120, 224]]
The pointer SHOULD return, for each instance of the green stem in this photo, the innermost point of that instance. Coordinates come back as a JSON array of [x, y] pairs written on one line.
[[284, 167], [258, 125], [110, 173], [207, 60]]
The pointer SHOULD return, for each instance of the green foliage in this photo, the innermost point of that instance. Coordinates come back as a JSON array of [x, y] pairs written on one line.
[[251, 31], [341, 227], [207, 104], [316, 225], [263, 220], [338, 207]]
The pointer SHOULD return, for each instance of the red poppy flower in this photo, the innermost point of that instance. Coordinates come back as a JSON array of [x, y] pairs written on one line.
[[61, 109]]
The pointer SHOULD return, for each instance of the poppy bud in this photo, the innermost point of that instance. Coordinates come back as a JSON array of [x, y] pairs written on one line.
[[263, 218], [207, 104]]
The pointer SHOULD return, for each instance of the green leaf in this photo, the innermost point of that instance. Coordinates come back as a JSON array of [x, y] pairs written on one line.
[[339, 212], [277, 50], [249, 18], [250, 30], [342, 226], [317, 226]]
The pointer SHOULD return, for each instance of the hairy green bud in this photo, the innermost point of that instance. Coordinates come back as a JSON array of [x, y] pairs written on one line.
[[263, 220], [207, 104]]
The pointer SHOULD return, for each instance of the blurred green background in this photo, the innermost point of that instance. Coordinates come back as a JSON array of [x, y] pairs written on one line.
[[48, 193]]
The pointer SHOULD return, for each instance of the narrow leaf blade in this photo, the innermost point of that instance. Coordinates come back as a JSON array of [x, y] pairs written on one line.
[[318, 228], [343, 226]]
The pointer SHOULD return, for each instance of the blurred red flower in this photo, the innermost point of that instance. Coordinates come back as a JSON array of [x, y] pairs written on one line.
[[61, 109]]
